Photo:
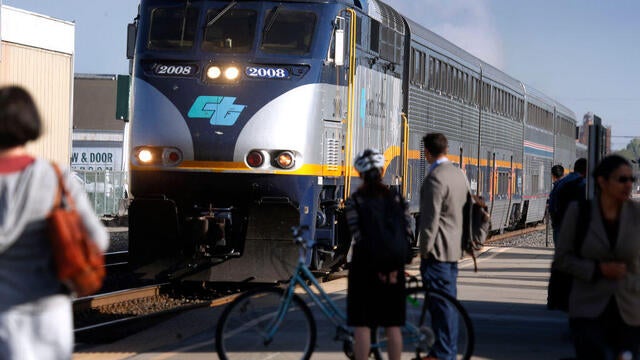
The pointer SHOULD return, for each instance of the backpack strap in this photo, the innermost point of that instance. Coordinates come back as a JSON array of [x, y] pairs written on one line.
[[63, 199], [467, 223]]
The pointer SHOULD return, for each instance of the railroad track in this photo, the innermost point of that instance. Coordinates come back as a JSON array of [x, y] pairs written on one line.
[[514, 233], [110, 316], [116, 258]]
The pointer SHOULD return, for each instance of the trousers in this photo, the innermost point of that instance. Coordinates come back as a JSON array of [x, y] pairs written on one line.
[[442, 276]]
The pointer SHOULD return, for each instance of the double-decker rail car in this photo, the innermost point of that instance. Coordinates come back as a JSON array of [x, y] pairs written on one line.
[[538, 153], [565, 147], [246, 117]]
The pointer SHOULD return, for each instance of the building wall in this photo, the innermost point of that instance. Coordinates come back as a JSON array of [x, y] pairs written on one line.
[[42, 63], [583, 133], [94, 107], [45, 74], [98, 136]]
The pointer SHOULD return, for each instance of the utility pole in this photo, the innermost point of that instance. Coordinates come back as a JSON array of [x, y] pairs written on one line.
[[597, 150]]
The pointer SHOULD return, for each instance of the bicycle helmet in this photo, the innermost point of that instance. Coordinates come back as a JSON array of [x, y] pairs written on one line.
[[369, 159]]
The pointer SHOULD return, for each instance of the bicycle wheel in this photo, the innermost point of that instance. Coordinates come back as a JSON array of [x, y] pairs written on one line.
[[419, 336], [245, 329]]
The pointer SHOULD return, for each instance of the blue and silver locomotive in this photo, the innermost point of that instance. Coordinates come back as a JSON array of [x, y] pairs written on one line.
[[246, 117]]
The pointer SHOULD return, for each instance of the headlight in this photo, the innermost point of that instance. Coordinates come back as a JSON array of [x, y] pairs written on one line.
[[156, 155], [285, 160], [145, 156], [221, 73], [213, 72], [231, 73]]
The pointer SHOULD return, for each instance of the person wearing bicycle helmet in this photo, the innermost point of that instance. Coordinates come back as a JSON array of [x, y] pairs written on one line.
[[377, 219]]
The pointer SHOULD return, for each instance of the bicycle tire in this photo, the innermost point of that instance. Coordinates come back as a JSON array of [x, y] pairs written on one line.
[[418, 336], [241, 328]]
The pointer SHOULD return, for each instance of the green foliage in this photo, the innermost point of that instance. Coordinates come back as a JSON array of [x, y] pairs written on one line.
[[632, 151]]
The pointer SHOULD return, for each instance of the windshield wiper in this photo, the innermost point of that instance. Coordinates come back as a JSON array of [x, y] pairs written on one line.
[[221, 13], [184, 22], [272, 19]]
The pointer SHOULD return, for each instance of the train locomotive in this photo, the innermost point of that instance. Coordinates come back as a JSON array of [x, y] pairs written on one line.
[[246, 117]]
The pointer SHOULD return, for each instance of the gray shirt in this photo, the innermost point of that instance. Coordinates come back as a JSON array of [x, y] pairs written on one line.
[[26, 264]]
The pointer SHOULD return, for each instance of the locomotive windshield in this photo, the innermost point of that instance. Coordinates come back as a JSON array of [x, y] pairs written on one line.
[[288, 31], [173, 28], [231, 32], [233, 29]]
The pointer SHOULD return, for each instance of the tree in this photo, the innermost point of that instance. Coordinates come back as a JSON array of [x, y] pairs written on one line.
[[632, 151]]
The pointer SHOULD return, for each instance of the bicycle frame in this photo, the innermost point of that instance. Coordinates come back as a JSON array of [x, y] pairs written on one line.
[[300, 277], [417, 334]]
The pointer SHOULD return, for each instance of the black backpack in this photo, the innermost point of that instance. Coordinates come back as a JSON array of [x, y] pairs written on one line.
[[476, 226], [382, 238], [573, 190]]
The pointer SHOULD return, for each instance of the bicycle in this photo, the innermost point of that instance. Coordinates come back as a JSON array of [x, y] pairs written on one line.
[[276, 323]]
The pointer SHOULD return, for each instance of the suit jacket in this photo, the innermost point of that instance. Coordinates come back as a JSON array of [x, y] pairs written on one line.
[[442, 199], [590, 293]]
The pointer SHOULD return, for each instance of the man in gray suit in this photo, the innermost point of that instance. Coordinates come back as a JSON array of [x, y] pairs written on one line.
[[442, 199]]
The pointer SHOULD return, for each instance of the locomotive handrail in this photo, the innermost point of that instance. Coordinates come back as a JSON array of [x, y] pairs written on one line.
[[350, 104], [405, 154]]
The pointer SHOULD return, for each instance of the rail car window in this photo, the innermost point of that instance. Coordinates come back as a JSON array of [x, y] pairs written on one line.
[[432, 72], [472, 177], [473, 88], [359, 30], [518, 183], [436, 75], [494, 99], [418, 59], [540, 118], [423, 61], [388, 44], [486, 95], [231, 33], [465, 86], [173, 28], [454, 81], [503, 185], [288, 32], [566, 127], [374, 36], [450, 79], [447, 78]]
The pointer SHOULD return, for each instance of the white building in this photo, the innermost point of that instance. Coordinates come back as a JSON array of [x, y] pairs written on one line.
[[36, 52]]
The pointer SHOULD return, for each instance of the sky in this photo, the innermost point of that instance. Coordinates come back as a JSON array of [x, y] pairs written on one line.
[[579, 52]]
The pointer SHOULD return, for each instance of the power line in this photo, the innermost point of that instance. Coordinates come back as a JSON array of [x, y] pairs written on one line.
[[600, 99]]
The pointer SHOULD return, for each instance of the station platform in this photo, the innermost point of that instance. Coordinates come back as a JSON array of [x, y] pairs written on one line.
[[506, 300]]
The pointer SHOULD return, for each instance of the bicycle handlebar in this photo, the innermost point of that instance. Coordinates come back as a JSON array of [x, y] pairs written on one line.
[[297, 233]]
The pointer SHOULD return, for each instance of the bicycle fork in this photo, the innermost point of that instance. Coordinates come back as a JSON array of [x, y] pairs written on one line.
[[274, 325]]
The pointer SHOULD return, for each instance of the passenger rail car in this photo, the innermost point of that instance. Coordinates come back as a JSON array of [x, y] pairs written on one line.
[[246, 117]]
